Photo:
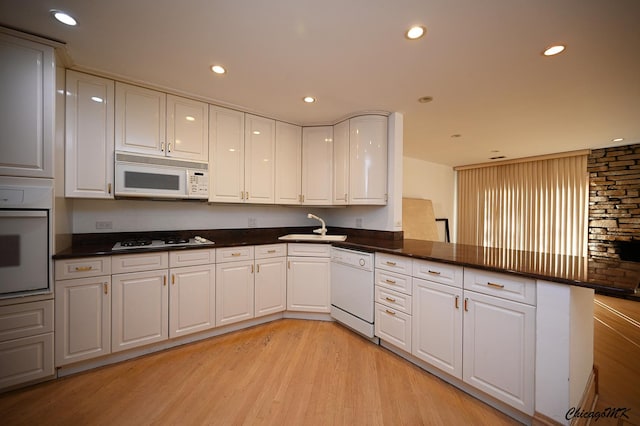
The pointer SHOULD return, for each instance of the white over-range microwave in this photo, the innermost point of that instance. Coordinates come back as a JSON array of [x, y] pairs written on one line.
[[155, 177]]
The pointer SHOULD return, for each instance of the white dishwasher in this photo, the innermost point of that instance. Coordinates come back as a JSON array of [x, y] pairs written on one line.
[[352, 289]]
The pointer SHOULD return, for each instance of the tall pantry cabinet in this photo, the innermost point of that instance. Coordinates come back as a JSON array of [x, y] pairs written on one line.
[[27, 85]]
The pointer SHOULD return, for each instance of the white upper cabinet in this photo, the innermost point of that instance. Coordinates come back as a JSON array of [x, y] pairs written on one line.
[[226, 155], [140, 119], [317, 165], [27, 85], [89, 142], [187, 129], [259, 159], [154, 123], [288, 163], [341, 163], [368, 160]]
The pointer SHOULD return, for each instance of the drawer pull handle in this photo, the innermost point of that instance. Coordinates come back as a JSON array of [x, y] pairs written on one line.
[[388, 281], [258, 268], [83, 268], [457, 302], [390, 312], [173, 279], [433, 272], [106, 288], [495, 285], [271, 251], [236, 254], [466, 304], [391, 263], [164, 280], [390, 299], [252, 269]]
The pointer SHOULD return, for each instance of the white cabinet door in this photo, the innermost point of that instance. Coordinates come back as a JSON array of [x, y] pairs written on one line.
[[140, 119], [368, 160], [226, 155], [499, 349], [187, 129], [259, 159], [234, 292], [308, 284], [437, 325], [317, 165], [140, 309], [341, 163], [83, 319], [27, 88], [270, 286], [192, 298], [288, 163], [89, 142]]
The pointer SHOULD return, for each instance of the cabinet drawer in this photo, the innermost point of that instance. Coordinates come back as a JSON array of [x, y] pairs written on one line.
[[393, 326], [191, 257], [82, 268], [393, 299], [25, 360], [438, 272], [508, 287], [231, 254], [270, 250], [389, 262], [123, 263], [314, 250], [390, 280], [26, 319]]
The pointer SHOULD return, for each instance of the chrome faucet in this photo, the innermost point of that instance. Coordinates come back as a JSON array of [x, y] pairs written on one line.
[[321, 231]]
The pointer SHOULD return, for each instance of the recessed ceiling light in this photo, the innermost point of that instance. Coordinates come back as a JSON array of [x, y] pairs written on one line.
[[64, 17], [554, 50], [617, 140], [218, 69], [309, 99], [425, 99], [415, 32]]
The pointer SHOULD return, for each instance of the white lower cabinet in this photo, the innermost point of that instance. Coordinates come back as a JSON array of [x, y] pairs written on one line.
[[140, 309], [393, 300], [234, 284], [437, 325], [192, 299], [270, 286], [83, 319], [499, 349], [308, 278], [26, 343]]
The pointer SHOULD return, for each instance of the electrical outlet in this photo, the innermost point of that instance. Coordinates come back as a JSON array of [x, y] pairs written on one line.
[[358, 222], [107, 224], [253, 222]]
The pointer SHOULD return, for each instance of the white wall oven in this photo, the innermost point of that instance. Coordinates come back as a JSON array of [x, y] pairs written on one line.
[[25, 236]]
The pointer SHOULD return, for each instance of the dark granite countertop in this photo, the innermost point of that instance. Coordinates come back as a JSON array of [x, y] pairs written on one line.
[[608, 277]]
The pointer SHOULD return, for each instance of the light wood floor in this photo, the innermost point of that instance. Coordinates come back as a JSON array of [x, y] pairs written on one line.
[[617, 356], [289, 372]]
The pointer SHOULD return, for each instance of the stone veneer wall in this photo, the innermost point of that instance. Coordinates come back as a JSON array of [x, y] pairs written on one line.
[[614, 199]]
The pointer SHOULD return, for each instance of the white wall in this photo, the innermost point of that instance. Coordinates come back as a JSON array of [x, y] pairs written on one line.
[[431, 181]]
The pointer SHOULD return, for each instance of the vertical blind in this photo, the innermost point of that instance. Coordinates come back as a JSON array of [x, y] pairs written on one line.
[[538, 205]]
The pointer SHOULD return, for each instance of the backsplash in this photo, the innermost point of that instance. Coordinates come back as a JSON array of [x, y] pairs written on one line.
[[614, 203]]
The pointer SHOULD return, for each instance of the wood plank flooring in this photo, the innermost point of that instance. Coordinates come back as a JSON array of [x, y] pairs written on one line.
[[617, 356], [288, 372]]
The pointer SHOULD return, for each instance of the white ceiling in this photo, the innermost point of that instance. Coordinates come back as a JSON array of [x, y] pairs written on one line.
[[480, 60]]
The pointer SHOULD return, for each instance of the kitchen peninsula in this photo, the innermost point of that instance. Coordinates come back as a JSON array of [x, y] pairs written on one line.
[[554, 365]]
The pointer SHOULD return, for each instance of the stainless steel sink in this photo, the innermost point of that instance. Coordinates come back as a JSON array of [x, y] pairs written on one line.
[[312, 237]]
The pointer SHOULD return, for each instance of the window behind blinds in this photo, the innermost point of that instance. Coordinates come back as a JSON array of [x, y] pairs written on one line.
[[538, 205]]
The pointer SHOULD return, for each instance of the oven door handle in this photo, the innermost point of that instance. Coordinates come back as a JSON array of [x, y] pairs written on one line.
[[22, 213]]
